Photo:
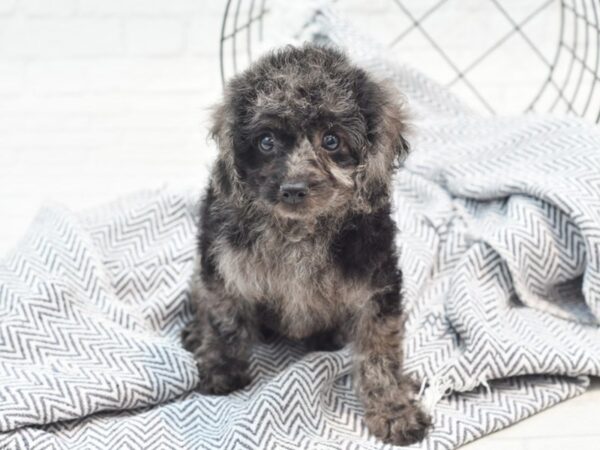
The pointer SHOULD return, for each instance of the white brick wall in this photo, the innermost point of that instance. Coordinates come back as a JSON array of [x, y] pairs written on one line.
[[128, 8], [7, 6], [102, 97], [50, 37], [45, 8], [154, 36]]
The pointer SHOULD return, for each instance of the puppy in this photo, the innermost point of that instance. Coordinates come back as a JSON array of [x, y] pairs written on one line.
[[296, 236]]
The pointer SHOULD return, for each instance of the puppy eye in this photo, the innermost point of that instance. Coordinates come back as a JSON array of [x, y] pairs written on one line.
[[266, 143], [331, 142]]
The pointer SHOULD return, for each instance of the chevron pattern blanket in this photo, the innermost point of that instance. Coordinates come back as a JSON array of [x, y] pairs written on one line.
[[500, 241]]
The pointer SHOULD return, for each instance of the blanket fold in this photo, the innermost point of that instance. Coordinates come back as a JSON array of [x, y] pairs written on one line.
[[72, 341]]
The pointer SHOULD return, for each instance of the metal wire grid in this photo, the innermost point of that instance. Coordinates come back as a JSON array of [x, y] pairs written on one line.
[[231, 31], [576, 92], [571, 85]]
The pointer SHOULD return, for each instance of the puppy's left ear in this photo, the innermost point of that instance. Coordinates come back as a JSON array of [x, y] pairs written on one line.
[[387, 125], [394, 125]]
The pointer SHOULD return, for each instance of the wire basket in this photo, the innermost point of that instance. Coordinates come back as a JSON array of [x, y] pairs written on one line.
[[555, 70]]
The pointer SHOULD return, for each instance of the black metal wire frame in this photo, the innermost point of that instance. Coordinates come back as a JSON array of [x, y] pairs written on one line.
[[233, 34], [564, 91]]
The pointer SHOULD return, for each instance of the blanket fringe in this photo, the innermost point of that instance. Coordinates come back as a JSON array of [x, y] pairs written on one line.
[[433, 390]]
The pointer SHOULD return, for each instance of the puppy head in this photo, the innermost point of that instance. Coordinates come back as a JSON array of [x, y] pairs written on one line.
[[304, 133]]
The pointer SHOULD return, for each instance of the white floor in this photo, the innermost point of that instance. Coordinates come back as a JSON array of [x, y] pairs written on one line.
[[574, 424], [86, 120]]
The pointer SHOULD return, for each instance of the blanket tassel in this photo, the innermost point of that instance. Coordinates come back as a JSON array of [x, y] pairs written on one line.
[[432, 391]]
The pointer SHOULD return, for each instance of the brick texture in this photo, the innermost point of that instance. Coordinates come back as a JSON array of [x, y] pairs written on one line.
[[99, 98]]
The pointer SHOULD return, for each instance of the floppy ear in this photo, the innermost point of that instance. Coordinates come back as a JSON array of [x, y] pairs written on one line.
[[225, 177], [384, 112]]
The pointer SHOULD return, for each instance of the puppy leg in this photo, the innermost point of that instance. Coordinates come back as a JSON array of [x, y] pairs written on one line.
[[220, 339], [391, 410]]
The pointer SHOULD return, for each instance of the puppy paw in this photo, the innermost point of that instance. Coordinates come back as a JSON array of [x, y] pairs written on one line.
[[398, 424], [191, 337], [219, 372], [394, 415], [222, 379]]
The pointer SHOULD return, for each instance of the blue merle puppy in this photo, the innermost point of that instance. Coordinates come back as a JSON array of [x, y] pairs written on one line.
[[296, 237]]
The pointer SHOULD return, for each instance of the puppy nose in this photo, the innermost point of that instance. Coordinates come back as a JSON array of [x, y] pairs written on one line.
[[293, 193]]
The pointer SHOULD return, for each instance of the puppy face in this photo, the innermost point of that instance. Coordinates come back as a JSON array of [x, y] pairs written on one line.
[[303, 133], [298, 162]]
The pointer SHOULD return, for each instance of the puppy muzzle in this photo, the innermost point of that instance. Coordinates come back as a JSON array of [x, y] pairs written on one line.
[[293, 193]]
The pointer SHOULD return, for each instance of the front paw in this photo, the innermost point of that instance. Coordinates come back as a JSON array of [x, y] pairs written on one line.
[[191, 336], [222, 379], [397, 420]]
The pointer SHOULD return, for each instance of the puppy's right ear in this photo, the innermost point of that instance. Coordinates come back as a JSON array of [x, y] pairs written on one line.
[[225, 177]]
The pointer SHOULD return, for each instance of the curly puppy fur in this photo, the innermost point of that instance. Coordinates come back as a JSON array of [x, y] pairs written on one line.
[[321, 265]]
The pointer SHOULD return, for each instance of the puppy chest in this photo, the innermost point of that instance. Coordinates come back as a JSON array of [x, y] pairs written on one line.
[[297, 284]]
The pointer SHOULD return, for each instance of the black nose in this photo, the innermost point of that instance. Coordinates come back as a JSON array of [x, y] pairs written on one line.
[[293, 193]]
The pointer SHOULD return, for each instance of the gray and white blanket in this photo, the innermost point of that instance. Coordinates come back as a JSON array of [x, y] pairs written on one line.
[[500, 247]]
